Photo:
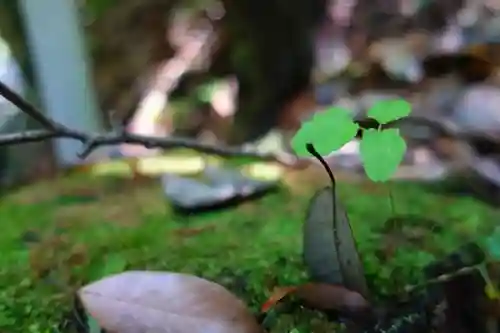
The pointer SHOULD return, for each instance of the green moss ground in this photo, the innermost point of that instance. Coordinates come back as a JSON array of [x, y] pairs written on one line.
[[250, 249]]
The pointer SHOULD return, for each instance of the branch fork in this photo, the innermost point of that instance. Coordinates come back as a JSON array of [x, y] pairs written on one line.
[[91, 141]]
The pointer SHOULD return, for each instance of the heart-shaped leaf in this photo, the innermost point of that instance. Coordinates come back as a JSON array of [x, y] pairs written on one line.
[[328, 131], [381, 153], [389, 110]]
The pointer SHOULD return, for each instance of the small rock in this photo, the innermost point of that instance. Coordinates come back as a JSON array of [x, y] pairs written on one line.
[[477, 109]]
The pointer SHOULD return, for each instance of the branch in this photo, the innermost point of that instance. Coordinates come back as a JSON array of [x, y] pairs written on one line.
[[90, 141]]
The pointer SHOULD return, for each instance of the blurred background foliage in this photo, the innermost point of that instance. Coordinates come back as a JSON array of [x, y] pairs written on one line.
[[266, 45]]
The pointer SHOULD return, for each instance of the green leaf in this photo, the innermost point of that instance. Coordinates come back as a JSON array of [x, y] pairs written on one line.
[[390, 110], [328, 131], [381, 153]]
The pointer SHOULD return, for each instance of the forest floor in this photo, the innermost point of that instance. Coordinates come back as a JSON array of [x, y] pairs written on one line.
[[58, 235]]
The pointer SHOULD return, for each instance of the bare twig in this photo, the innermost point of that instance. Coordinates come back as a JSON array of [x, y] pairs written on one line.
[[91, 141]]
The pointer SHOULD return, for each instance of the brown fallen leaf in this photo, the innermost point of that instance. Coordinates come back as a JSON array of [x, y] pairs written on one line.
[[320, 296], [140, 301]]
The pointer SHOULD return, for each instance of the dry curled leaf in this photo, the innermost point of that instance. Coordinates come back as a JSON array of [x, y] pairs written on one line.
[[162, 302], [277, 295], [321, 296]]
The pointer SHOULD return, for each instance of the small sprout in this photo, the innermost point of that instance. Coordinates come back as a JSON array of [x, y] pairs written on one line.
[[381, 150]]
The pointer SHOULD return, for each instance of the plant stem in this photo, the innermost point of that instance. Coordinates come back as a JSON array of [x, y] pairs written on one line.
[[310, 148], [391, 199]]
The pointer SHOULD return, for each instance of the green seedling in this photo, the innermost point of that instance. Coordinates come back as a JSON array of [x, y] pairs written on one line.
[[382, 150]]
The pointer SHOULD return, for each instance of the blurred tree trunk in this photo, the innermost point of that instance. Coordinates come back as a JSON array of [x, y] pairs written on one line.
[[272, 56]]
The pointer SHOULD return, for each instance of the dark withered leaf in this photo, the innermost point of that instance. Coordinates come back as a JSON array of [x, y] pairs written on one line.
[[329, 260]]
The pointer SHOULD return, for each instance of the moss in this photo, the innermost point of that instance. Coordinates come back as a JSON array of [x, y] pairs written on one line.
[[90, 226]]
